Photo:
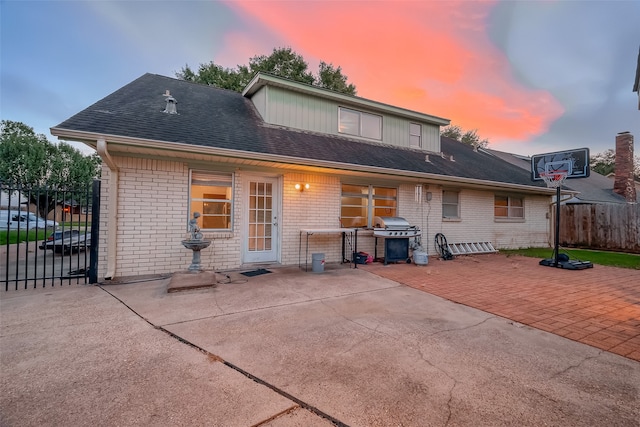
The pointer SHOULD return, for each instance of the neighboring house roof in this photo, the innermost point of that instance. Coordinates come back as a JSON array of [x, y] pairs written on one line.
[[224, 122], [595, 188]]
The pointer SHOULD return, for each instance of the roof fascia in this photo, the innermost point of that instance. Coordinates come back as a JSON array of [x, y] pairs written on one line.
[[91, 139], [260, 80]]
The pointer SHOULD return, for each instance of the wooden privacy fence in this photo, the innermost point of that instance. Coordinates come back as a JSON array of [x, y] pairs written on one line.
[[606, 226]]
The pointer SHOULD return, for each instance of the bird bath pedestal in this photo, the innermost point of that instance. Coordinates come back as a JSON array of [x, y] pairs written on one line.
[[196, 245]]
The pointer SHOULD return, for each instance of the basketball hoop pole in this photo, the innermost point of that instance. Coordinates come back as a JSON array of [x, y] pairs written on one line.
[[556, 247]]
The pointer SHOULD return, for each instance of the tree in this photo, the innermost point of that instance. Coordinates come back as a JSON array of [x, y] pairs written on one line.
[[605, 163], [282, 62], [31, 161], [469, 137], [333, 79]]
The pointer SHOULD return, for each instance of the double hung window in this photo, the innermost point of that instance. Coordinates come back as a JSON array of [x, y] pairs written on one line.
[[508, 207], [361, 203], [415, 135], [450, 204], [211, 195]]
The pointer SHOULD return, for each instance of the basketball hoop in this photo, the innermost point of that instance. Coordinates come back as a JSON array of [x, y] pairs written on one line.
[[554, 179]]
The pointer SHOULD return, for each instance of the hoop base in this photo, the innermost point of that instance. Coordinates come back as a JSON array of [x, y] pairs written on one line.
[[567, 265]]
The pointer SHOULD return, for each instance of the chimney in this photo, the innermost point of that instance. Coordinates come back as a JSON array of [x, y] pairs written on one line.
[[624, 184]]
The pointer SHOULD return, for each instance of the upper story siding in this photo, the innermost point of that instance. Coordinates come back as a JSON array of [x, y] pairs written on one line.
[[304, 110]]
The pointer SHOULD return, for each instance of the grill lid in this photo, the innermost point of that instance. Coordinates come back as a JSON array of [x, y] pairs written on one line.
[[394, 227], [391, 223]]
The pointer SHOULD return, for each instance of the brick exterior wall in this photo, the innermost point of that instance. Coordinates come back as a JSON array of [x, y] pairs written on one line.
[[624, 182], [153, 214]]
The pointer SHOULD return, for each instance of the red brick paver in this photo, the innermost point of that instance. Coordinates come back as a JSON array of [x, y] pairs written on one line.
[[599, 306]]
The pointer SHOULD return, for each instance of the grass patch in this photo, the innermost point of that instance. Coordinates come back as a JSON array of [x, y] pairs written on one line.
[[15, 236], [612, 259]]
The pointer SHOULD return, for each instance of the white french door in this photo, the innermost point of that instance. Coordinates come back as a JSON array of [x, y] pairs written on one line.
[[261, 217]]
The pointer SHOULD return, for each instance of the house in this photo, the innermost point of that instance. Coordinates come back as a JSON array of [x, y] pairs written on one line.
[[594, 189], [281, 157]]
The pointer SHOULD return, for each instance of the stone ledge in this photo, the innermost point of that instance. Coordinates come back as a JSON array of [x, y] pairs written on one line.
[[184, 281]]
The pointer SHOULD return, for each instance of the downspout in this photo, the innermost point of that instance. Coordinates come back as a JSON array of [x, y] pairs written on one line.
[[112, 220]]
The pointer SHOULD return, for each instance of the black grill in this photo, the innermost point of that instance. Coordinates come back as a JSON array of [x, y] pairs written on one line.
[[396, 232]]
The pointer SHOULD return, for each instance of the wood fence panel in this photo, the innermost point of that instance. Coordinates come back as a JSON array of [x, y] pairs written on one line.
[[605, 226]]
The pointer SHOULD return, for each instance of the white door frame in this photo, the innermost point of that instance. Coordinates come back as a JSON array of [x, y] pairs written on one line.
[[273, 255]]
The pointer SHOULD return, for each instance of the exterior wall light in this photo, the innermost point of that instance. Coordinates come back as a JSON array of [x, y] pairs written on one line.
[[302, 187]]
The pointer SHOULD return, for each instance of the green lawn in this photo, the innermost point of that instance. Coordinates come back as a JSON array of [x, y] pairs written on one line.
[[613, 259], [14, 236]]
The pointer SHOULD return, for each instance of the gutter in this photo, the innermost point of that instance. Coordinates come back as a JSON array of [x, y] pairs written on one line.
[[112, 220]]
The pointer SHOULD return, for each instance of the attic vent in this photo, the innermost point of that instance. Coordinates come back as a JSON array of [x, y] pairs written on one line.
[[171, 107]]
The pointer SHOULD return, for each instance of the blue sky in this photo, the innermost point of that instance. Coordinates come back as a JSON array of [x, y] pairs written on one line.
[[532, 77]]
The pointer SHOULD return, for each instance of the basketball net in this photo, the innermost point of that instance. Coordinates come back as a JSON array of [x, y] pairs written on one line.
[[554, 179]]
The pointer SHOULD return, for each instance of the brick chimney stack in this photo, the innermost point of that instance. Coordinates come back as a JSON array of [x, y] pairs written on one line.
[[624, 184]]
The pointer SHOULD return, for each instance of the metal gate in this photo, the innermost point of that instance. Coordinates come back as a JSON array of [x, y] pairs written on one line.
[[48, 236]]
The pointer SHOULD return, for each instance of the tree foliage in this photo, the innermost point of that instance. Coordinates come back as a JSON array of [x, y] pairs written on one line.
[[282, 62], [469, 137], [605, 163], [29, 160]]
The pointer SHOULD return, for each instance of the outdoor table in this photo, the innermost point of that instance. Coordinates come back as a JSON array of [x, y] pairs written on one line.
[[349, 237]]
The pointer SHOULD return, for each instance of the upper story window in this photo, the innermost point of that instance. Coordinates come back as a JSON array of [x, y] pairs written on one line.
[[508, 207], [415, 135], [361, 203], [211, 194], [450, 204], [358, 123]]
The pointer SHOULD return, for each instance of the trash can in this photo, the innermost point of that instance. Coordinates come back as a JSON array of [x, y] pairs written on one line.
[[317, 263], [420, 258]]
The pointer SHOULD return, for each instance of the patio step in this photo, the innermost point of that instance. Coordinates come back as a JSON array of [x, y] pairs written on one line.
[[468, 248]]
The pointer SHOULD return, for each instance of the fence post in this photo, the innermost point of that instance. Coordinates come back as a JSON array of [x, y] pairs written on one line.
[[95, 232]]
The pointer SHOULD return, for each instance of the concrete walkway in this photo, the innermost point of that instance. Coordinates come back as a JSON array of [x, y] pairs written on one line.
[[289, 348]]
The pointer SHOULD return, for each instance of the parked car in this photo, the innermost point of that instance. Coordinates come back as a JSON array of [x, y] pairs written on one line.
[[23, 220], [67, 241]]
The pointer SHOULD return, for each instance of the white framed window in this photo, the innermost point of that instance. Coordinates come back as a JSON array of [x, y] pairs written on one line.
[[508, 207], [361, 203], [415, 135], [211, 195], [358, 123], [450, 204]]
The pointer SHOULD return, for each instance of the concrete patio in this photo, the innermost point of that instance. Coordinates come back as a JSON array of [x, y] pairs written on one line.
[[289, 348]]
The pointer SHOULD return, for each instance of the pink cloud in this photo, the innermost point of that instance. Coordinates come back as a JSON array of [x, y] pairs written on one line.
[[433, 57]]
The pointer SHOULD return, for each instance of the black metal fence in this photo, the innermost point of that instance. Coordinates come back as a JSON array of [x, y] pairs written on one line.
[[48, 236]]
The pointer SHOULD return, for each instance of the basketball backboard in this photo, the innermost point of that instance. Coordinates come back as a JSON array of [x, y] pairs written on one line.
[[574, 162]]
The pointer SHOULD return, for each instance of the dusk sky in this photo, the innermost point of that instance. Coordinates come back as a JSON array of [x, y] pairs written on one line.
[[532, 77]]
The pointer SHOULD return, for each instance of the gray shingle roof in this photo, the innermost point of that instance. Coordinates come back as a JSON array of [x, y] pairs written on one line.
[[212, 117], [595, 188]]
